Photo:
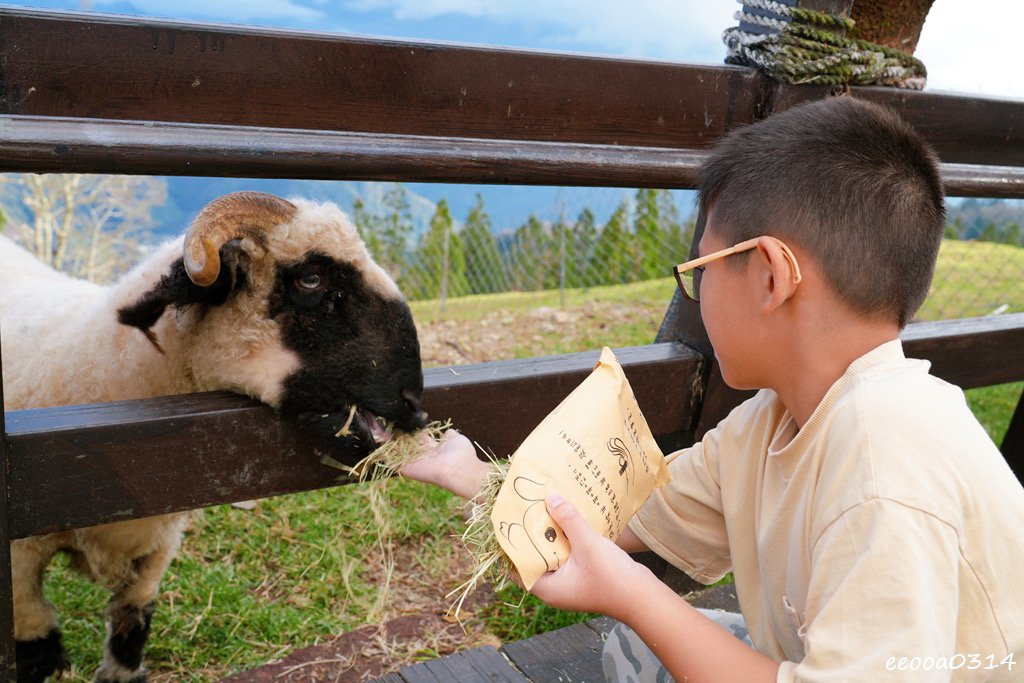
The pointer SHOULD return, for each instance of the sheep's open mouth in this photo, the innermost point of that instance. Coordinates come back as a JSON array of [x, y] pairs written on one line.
[[362, 420], [375, 426]]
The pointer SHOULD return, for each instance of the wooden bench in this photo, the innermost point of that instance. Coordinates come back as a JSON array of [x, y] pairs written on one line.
[[162, 97]]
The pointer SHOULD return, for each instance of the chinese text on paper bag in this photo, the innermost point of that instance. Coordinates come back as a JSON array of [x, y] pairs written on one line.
[[596, 450]]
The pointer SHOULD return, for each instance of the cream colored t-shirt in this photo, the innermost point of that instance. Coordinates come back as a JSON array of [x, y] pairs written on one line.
[[888, 527]]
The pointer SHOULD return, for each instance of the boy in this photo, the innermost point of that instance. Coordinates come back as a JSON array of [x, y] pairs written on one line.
[[873, 529]]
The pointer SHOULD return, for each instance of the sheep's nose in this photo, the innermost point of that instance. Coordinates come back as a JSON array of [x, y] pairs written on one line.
[[412, 402]]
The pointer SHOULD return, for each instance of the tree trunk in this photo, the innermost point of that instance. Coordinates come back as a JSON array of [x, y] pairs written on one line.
[[892, 23]]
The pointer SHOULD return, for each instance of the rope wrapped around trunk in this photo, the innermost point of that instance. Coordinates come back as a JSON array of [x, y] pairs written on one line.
[[795, 45]]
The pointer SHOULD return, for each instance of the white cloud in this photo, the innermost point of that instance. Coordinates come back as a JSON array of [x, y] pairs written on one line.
[[973, 46], [224, 10], [664, 29]]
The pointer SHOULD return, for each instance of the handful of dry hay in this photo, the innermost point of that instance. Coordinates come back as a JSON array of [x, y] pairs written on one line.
[[400, 449]]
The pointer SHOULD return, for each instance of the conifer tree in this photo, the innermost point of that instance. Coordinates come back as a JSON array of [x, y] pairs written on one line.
[[648, 234], [440, 271], [580, 267], [484, 270], [368, 227], [395, 230], [676, 238], [531, 258], [613, 259]]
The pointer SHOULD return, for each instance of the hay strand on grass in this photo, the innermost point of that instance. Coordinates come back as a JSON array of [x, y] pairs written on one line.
[[490, 562]]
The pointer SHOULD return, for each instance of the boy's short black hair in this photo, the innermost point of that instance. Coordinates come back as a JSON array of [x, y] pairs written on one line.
[[848, 181]]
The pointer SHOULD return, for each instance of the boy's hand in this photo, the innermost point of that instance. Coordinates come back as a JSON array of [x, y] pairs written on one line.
[[450, 463], [598, 576]]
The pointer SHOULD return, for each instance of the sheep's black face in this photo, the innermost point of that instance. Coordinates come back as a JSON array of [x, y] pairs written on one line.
[[358, 347]]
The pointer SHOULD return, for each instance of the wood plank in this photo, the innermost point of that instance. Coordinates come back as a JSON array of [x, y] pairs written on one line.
[[964, 129], [49, 144], [499, 403], [972, 180], [132, 456], [478, 665], [568, 654], [389, 678], [150, 69], [601, 625], [8, 670], [37, 144], [969, 352], [205, 73]]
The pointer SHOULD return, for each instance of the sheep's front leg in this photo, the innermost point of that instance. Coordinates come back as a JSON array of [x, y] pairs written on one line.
[[38, 650], [130, 613]]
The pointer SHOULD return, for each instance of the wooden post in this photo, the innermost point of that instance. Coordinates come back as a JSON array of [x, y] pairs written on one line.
[[683, 323], [8, 670], [892, 24], [1013, 442]]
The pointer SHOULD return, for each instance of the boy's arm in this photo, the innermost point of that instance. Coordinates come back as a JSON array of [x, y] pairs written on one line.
[[630, 542], [600, 577]]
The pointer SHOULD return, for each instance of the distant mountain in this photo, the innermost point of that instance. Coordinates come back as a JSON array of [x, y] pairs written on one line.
[[974, 214]]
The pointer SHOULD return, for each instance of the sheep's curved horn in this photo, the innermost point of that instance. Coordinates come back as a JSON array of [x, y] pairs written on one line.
[[240, 214]]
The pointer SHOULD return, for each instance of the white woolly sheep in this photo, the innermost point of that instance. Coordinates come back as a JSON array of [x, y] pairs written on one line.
[[274, 299]]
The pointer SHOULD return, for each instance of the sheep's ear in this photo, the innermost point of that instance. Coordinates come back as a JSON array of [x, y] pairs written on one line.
[[175, 289]]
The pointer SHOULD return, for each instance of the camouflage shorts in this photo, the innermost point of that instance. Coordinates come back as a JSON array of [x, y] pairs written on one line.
[[626, 659]]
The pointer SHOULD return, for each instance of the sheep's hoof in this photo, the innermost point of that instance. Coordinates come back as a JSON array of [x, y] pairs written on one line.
[[40, 658]]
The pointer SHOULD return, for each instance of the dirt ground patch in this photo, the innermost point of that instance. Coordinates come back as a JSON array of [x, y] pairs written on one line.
[[415, 626], [501, 335]]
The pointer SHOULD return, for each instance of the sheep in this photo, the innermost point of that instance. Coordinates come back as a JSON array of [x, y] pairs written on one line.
[[276, 299]]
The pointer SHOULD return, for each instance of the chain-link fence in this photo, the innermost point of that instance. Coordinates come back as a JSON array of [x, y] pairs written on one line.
[[980, 269], [547, 279]]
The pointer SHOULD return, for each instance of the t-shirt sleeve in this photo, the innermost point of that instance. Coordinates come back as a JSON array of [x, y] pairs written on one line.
[[883, 587], [682, 521]]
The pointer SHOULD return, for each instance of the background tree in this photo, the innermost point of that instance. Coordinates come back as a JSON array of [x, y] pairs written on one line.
[[368, 226], [613, 259], [532, 258], [677, 237], [89, 226], [649, 243], [395, 231], [484, 269], [440, 262], [579, 272]]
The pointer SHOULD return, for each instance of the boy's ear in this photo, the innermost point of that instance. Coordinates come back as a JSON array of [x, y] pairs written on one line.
[[781, 275], [175, 289]]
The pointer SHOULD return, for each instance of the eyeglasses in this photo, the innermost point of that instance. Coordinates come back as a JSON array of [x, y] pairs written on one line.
[[689, 274]]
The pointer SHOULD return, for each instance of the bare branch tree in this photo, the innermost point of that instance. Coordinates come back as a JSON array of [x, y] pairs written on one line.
[[89, 226]]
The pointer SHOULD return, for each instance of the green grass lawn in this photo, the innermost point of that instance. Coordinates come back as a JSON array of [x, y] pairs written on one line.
[[250, 586]]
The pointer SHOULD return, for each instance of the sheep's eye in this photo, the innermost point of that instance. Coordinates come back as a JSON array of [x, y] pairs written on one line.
[[311, 281]]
